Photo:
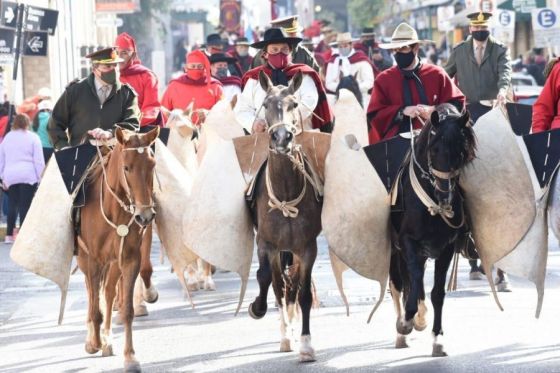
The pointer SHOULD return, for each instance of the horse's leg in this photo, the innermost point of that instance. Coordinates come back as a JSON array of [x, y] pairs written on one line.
[[258, 308], [208, 281], [130, 267], [437, 296], [420, 322], [192, 280], [396, 286], [150, 293], [139, 305], [415, 265], [306, 351], [110, 291], [278, 286], [290, 264], [93, 281]]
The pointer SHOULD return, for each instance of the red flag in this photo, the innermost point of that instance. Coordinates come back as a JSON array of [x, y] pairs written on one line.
[[273, 10]]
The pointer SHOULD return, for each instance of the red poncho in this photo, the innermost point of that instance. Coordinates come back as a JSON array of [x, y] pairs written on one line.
[[546, 110], [387, 98], [322, 110]]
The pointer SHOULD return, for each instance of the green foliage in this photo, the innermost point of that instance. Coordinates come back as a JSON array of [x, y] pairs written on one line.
[[363, 12]]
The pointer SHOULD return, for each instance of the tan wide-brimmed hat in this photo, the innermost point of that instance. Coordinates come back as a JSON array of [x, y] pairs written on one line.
[[403, 35], [343, 37]]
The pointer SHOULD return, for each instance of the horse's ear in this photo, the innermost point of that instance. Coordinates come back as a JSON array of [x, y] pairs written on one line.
[[296, 82], [152, 135], [434, 118], [264, 81], [233, 102], [188, 111], [119, 134]]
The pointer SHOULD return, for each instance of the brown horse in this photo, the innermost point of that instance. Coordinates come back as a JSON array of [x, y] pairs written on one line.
[[119, 207], [285, 227]]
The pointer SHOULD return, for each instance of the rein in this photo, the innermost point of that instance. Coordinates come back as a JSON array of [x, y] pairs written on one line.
[[122, 230], [444, 210]]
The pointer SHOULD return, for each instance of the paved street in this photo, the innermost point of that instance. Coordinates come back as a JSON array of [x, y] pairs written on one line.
[[175, 337]]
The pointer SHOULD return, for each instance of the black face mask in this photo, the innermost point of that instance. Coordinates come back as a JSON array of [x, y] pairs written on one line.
[[480, 35], [109, 77], [404, 60], [369, 43]]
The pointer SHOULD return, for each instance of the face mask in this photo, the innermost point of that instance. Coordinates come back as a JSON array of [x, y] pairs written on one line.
[[345, 51], [242, 52], [109, 77], [369, 43], [480, 35], [404, 60], [222, 72], [278, 60], [195, 74]]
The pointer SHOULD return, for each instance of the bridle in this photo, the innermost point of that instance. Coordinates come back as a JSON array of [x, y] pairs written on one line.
[[296, 155], [434, 176]]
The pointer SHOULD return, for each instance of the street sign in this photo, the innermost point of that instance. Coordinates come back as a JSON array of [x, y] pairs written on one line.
[[7, 37], [9, 13], [41, 19], [504, 26], [546, 27], [35, 43]]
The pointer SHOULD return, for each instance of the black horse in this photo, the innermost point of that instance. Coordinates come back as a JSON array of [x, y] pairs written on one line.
[[431, 220], [350, 82]]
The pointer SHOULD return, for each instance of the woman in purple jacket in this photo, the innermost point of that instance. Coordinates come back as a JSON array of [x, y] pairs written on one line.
[[21, 166]]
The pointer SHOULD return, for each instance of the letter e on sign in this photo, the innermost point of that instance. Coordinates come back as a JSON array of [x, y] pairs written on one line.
[[547, 18]]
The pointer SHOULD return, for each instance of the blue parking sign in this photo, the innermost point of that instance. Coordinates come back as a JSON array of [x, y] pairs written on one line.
[[547, 18]]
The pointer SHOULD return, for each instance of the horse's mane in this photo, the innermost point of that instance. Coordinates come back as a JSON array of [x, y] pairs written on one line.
[[459, 139]]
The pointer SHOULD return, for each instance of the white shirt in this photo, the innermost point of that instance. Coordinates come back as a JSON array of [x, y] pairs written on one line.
[[362, 70], [253, 96]]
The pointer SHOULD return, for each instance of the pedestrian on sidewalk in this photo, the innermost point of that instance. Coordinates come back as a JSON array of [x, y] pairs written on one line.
[[40, 127], [21, 166]]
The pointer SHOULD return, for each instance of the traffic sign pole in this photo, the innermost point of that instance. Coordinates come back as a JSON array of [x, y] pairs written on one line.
[[19, 38]]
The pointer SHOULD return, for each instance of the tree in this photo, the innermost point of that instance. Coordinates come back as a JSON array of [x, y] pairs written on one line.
[[363, 12]]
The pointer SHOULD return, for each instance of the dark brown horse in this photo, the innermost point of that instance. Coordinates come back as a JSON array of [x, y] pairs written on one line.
[[119, 207], [432, 219], [287, 215]]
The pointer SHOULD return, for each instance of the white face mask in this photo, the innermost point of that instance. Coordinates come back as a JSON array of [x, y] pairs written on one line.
[[345, 51]]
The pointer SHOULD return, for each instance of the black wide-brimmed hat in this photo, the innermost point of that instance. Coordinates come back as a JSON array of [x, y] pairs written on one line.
[[275, 36], [214, 39], [242, 41], [222, 57]]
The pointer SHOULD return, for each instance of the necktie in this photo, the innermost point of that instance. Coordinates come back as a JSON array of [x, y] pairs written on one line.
[[104, 93], [479, 54]]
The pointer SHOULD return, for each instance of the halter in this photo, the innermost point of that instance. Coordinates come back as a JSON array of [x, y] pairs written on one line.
[[433, 175]]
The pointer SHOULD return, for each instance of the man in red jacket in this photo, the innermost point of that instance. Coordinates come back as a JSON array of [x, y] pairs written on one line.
[[140, 78], [546, 110], [196, 86], [409, 91]]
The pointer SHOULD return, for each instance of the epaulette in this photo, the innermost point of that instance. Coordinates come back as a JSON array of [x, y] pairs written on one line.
[[549, 66], [77, 80], [130, 88]]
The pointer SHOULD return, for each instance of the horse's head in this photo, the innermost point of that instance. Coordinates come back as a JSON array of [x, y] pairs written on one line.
[[349, 82], [137, 164], [451, 145], [281, 114]]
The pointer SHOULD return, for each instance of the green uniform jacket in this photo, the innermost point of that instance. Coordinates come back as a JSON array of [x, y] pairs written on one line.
[[299, 55], [79, 110], [480, 82]]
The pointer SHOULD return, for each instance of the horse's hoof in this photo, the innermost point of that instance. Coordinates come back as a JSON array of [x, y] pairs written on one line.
[[285, 345], [132, 366], [419, 324], [254, 314], [90, 348], [193, 286], [107, 351], [401, 341], [306, 352], [404, 327], [140, 310], [438, 350], [151, 294], [209, 285]]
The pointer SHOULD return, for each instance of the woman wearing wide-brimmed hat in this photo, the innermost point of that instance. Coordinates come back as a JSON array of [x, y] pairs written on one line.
[[409, 90], [277, 52], [349, 61]]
